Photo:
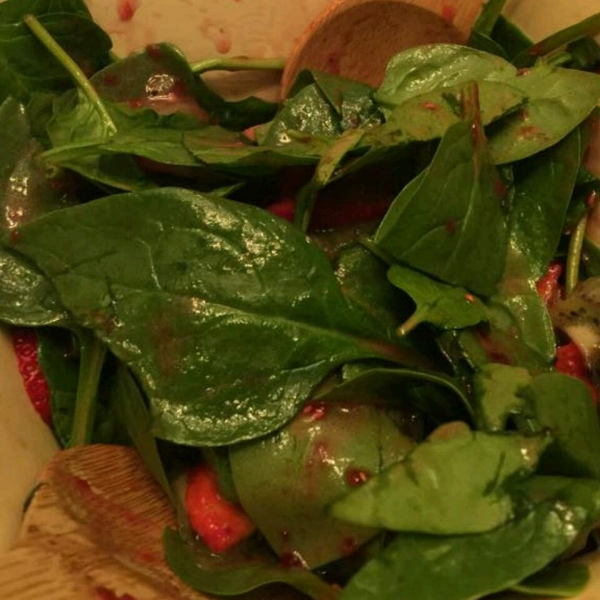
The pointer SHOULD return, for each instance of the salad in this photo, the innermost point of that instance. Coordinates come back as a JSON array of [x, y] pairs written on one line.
[[361, 326]]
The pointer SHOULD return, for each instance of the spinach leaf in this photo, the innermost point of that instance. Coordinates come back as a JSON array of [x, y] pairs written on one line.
[[324, 172], [588, 27], [468, 473], [362, 277], [77, 122], [445, 306], [286, 481], [559, 101], [544, 186], [352, 100], [482, 42], [25, 64], [237, 574], [13, 11], [133, 413], [450, 223], [426, 68], [498, 392], [573, 424], [565, 580], [509, 37], [169, 278], [468, 566], [27, 297], [396, 388], [429, 116]]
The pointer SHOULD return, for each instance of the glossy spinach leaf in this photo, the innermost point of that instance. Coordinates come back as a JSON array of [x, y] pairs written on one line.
[[77, 125], [27, 297], [352, 100], [565, 580], [544, 185], [588, 27], [498, 395], [573, 424], [362, 277], [168, 278], [286, 481], [308, 112], [27, 66], [426, 68], [450, 222], [399, 389], [428, 116], [469, 566], [470, 475], [445, 306], [237, 574], [559, 101]]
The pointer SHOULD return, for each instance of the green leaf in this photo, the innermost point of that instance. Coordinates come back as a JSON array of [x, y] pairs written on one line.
[[13, 11], [26, 63], [468, 473], [285, 482], [329, 163], [134, 415], [352, 100], [468, 567], [445, 306], [588, 27], [168, 278], [565, 580], [429, 116], [544, 186], [510, 38], [498, 391], [559, 101], [563, 405], [450, 223], [368, 384], [237, 574], [487, 19], [426, 68]]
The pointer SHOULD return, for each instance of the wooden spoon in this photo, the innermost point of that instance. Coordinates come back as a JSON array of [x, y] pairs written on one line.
[[356, 38]]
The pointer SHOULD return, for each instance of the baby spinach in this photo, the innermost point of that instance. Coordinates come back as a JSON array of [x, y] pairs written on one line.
[[468, 473], [565, 580], [445, 306], [574, 425], [426, 68], [236, 574], [167, 278], [509, 37], [13, 11], [544, 185], [25, 64], [458, 230], [498, 392], [559, 100], [468, 567], [286, 481]]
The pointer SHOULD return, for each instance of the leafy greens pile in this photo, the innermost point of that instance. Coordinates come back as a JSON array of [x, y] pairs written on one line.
[[379, 395]]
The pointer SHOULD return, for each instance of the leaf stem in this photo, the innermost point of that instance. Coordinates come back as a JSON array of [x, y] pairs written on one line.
[[238, 64], [574, 256], [93, 352], [410, 324], [42, 34]]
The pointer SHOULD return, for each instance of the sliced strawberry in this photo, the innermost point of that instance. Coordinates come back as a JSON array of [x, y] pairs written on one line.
[[221, 524], [570, 361], [25, 343], [548, 287]]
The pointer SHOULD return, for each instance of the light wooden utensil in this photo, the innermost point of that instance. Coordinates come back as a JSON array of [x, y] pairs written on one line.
[[356, 38]]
